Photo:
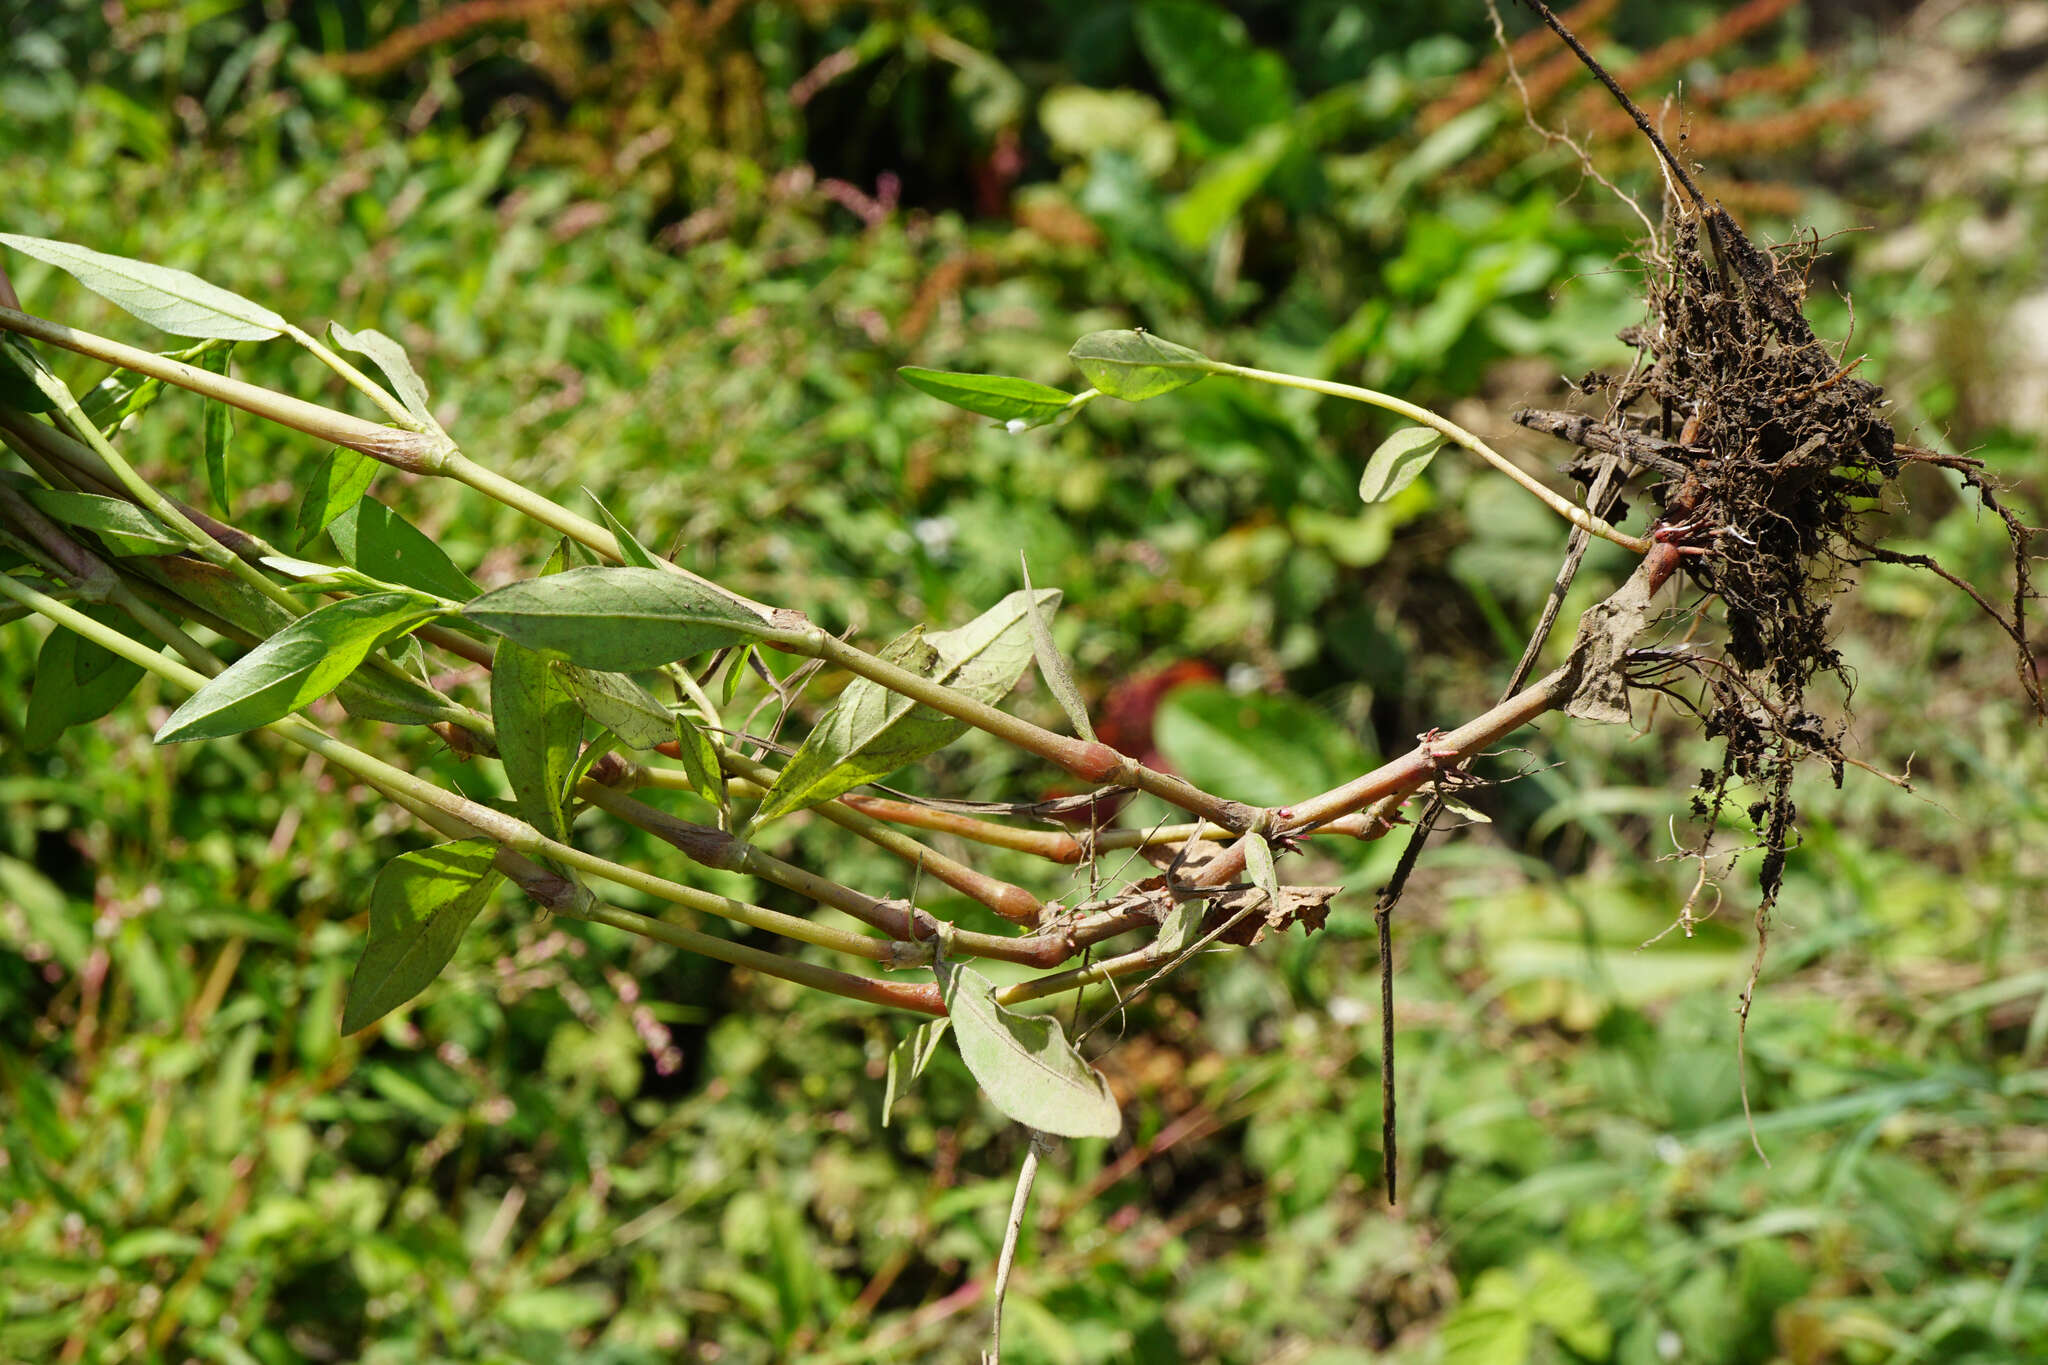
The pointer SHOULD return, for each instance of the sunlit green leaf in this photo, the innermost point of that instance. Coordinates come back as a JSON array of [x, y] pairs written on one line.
[[1137, 365], [420, 905], [1052, 665], [1023, 1062], [177, 302], [384, 545], [540, 728], [1397, 462], [616, 619], [338, 483], [872, 731], [1019, 403], [296, 666], [389, 357], [700, 760]]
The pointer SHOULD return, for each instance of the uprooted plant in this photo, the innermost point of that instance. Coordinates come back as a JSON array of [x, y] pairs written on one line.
[[616, 677]]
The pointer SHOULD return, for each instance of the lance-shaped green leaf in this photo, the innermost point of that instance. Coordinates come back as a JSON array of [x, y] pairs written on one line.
[[1177, 930], [700, 760], [620, 705], [420, 906], [125, 394], [217, 429], [368, 694], [338, 483], [1018, 403], [218, 592], [630, 548], [301, 663], [1052, 665], [1023, 1062], [872, 731], [77, 680], [908, 1059], [389, 357], [540, 728], [616, 619], [1397, 462], [127, 529], [384, 545], [1137, 365], [178, 302]]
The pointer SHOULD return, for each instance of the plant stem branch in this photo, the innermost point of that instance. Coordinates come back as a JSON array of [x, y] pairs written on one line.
[[1555, 501]]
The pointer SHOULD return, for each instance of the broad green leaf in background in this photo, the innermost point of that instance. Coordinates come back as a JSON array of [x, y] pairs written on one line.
[[1135, 366], [78, 681], [1052, 665], [125, 394], [419, 907], [217, 429], [1211, 68], [1268, 750], [1010, 401], [1212, 202], [1397, 462], [700, 760], [389, 357], [615, 619], [127, 529], [872, 731], [337, 484], [630, 548], [619, 704], [384, 545], [1023, 1062], [296, 666], [908, 1059], [540, 728], [178, 302]]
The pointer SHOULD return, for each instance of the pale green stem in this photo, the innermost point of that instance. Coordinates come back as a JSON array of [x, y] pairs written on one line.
[[505, 829], [1556, 502], [358, 381], [145, 493]]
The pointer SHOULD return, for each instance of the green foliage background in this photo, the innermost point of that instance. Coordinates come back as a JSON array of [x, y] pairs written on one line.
[[626, 255]]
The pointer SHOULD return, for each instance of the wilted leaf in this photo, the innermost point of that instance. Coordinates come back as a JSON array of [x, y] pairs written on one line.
[[1052, 665], [1137, 365], [419, 907], [540, 728], [387, 547], [301, 663], [1023, 1062], [1008, 400], [1397, 462], [177, 302], [908, 1059], [872, 731], [616, 619]]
